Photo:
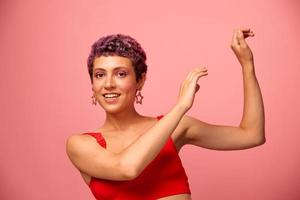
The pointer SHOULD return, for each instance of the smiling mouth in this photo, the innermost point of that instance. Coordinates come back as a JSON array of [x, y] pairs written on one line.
[[111, 95]]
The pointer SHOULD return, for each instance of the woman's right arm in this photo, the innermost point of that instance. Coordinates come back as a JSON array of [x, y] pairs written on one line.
[[129, 163]]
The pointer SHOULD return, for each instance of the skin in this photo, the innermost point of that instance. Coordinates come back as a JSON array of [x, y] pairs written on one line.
[[116, 74], [134, 140]]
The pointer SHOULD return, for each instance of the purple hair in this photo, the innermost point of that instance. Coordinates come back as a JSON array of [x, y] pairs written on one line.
[[119, 45]]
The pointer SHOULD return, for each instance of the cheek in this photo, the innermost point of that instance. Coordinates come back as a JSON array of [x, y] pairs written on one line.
[[128, 86], [96, 86]]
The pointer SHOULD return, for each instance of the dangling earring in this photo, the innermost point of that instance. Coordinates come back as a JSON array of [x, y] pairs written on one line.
[[139, 97], [94, 101]]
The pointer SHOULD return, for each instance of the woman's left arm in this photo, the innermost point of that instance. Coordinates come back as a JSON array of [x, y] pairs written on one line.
[[251, 130]]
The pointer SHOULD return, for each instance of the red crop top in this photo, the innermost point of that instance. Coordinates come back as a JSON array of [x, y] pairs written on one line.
[[164, 176]]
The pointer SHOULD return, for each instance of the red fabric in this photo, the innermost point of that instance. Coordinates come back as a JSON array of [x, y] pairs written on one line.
[[164, 176]]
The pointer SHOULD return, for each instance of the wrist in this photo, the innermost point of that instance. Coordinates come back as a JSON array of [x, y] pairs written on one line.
[[180, 109], [248, 67]]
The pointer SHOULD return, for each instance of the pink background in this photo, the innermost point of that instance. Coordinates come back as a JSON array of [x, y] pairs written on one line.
[[45, 89]]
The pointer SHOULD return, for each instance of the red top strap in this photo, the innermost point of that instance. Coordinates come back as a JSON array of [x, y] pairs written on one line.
[[159, 117], [98, 137]]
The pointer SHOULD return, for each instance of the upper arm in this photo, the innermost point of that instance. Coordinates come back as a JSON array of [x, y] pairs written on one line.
[[89, 157], [218, 137]]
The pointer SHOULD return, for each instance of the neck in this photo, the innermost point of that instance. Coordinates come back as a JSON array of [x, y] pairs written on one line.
[[122, 120]]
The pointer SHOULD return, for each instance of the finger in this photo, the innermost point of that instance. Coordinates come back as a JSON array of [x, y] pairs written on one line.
[[197, 78], [199, 72], [200, 69], [234, 40], [198, 75], [241, 39], [244, 29], [195, 71], [247, 32], [248, 35]]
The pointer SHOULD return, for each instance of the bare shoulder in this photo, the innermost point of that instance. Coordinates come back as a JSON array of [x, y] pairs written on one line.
[[94, 160], [77, 143]]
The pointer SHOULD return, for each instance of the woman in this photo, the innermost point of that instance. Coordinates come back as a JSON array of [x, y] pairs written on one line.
[[136, 157]]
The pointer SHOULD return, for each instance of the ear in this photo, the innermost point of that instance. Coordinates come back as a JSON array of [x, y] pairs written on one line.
[[141, 82]]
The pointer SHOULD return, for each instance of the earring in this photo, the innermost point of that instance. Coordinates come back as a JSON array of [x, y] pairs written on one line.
[[139, 97], [94, 101]]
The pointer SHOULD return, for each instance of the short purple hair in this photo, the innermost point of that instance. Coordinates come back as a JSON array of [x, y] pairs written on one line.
[[119, 45]]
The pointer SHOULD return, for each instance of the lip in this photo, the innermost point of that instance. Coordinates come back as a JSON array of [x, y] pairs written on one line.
[[112, 100], [111, 93]]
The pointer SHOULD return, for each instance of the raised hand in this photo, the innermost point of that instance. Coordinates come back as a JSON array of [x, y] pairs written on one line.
[[189, 87], [240, 46]]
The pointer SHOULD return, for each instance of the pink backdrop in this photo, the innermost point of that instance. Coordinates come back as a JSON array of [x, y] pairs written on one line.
[[45, 89]]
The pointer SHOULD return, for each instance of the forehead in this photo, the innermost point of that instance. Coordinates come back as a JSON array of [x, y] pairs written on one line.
[[111, 62]]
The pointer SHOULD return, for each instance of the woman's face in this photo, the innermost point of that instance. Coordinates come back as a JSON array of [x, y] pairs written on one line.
[[114, 83]]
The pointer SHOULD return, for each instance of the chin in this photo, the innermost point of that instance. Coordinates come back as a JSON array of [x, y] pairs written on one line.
[[112, 109], [115, 108]]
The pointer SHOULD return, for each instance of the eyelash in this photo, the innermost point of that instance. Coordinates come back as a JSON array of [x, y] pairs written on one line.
[[118, 73], [122, 72]]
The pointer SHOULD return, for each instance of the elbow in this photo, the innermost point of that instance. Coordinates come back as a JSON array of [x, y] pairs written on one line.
[[256, 137], [260, 140], [262, 137], [129, 171]]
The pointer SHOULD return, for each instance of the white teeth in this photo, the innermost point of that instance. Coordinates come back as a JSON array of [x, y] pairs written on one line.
[[111, 95]]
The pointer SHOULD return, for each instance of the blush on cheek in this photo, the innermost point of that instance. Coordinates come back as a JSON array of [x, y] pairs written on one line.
[[129, 91], [127, 86]]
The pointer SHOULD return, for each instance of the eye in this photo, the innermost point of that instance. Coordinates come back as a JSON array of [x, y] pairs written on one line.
[[121, 73], [99, 75]]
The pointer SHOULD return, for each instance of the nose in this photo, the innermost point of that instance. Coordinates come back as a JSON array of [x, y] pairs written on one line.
[[109, 82]]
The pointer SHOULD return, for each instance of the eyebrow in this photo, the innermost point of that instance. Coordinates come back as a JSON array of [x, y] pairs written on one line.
[[116, 68]]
